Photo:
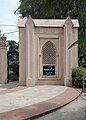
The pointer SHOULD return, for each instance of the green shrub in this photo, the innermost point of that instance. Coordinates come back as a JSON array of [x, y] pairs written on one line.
[[13, 77], [15, 67], [78, 74]]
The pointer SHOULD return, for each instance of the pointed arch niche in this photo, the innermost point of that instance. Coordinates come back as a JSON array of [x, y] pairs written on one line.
[[49, 60], [48, 53]]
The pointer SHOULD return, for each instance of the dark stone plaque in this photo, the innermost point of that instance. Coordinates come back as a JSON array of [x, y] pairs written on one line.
[[48, 70]]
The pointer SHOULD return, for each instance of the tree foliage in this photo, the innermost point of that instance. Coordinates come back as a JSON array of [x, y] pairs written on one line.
[[13, 51], [58, 9], [78, 75], [13, 60]]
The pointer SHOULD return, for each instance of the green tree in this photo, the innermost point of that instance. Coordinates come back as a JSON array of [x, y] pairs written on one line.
[[13, 51], [13, 60]]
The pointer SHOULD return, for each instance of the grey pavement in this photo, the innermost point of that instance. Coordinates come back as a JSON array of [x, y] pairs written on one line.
[[76, 110], [29, 96], [9, 85]]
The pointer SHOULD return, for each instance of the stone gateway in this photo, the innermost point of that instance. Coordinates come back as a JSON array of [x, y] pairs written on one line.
[[44, 53]]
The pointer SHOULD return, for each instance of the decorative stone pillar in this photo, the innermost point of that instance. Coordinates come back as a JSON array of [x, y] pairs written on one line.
[[30, 53], [68, 52], [22, 56], [3, 60]]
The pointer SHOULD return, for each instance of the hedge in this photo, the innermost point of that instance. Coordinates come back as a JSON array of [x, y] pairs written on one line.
[[78, 75]]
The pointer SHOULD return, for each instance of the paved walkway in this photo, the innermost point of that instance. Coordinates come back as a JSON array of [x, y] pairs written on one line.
[[9, 85], [31, 102], [76, 110]]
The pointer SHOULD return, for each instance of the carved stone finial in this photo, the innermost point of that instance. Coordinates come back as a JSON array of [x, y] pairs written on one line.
[[3, 41]]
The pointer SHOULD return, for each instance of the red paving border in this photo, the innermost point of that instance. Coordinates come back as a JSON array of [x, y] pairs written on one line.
[[33, 111], [9, 90]]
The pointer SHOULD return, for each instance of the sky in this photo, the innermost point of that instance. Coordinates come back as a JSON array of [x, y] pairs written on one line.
[[8, 17]]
